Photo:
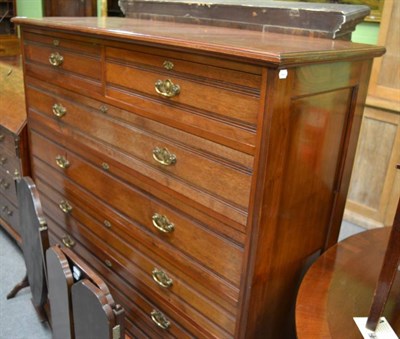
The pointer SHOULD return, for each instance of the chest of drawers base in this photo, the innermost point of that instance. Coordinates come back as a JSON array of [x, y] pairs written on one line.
[[194, 174]]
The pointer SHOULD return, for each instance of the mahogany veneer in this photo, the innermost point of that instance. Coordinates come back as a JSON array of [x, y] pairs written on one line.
[[200, 205]]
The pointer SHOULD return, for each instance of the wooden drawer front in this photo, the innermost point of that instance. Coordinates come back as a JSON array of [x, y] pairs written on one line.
[[138, 308], [219, 101], [217, 215], [202, 144], [80, 67], [229, 182], [9, 162], [126, 257], [205, 67], [7, 186], [9, 212], [74, 63], [190, 237]]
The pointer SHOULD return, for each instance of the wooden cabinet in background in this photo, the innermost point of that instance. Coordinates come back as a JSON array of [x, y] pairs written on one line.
[[76, 8], [9, 43], [197, 169], [13, 143], [375, 184]]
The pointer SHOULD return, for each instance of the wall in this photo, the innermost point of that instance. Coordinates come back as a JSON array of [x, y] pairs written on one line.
[[30, 8], [366, 33]]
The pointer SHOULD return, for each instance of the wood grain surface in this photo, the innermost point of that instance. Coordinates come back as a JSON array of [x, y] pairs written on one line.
[[340, 286]]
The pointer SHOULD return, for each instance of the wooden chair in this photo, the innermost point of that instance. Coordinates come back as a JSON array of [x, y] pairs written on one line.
[[388, 273], [73, 298], [82, 298]]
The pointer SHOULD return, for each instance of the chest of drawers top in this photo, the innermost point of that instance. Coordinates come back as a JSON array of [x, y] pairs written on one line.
[[278, 49]]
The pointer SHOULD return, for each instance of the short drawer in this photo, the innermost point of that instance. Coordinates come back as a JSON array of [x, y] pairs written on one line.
[[223, 178], [77, 233], [66, 63], [168, 224]]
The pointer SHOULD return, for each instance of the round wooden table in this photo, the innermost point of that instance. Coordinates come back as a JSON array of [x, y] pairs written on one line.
[[340, 285]]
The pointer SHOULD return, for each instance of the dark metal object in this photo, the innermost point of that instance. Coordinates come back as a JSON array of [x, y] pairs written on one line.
[[332, 21]]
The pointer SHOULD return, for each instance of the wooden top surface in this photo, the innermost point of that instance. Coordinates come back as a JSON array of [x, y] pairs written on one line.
[[12, 98], [279, 49], [340, 285]]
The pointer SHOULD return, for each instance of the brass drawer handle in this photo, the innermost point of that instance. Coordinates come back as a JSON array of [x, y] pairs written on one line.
[[108, 263], [62, 162], [160, 320], [162, 223], [2, 137], [56, 59], [3, 160], [59, 110], [65, 206], [163, 156], [161, 278], [167, 88], [68, 241]]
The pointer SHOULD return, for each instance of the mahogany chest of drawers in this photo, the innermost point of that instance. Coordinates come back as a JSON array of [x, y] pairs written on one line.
[[197, 169], [13, 142]]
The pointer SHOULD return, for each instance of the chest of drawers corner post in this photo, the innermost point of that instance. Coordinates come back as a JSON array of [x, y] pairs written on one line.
[[198, 169]]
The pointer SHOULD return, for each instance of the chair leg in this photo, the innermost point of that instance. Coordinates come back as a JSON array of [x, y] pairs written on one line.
[[24, 283], [390, 265]]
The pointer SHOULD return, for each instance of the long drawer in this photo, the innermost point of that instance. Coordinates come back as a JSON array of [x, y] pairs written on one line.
[[64, 60], [194, 173], [186, 235]]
